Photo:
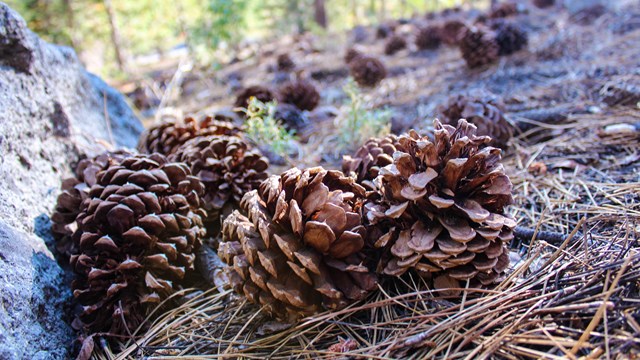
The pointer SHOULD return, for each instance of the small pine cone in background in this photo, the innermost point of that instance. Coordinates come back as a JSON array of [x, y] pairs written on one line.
[[367, 161], [137, 234], [452, 31], [167, 137], [428, 38], [261, 93], [394, 45], [486, 113], [478, 47], [503, 10], [291, 117], [510, 37], [285, 63], [228, 168], [367, 71], [74, 191], [299, 245], [351, 55], [442, 210], [385, 30], [543, 3], [301, 93]]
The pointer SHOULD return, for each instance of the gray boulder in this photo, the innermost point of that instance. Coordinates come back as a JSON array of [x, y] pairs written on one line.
[[52, 112]]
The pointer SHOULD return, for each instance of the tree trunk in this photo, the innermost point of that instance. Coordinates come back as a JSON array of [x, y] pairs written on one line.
[[320, 13], [115, 36]]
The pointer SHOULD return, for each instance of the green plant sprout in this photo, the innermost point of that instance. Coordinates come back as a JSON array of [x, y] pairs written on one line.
[[263, 130]]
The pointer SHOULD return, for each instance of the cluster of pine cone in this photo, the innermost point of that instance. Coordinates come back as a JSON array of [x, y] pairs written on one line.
[[315, 239], [297, 243], [132, 224]]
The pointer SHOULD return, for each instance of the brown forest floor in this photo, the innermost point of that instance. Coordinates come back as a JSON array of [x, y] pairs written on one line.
[[577, 297]]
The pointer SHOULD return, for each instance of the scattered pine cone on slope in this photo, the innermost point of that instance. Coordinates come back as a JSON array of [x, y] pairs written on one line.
[[300, 248], [351, 55], [367, 161], [285, 63], [384, 30], [167, 137], [486, 113], [74, 191], [451, 31], [262, 93], [428, 38], [136, 238], [443, 203], [510, 37], [300, 93], [367, 71], [394, 44], [478, 47], [227, 167]]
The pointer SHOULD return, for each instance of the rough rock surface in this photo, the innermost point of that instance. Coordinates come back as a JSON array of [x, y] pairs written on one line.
[[51, 112]]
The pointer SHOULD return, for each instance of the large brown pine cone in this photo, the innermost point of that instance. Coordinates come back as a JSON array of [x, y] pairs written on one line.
[[301, 93], [395, 44], [478, 47], [261, 93], [367, 161], [367, 71], [452, 31], [74, 191], [228, 168], [486, 113], [428, 38], [136, 238], [510, 37], [301, 246], [167, 137], [285, 63], [443, 207]]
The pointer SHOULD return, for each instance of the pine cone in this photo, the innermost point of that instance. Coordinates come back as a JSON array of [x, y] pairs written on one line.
[[428, 38], [384, 30], [74, 191], [478, 47], [167, 137], [367, 71], [504, 10], [394, 44], [300, 248], [351, 55], [510, 37], [543, 3], [300, 93], [227, 167], [285, 63], [291, 117], [367, 161], [486, 113], [443, 203], [451, 32], [261, 93], [137, 233]]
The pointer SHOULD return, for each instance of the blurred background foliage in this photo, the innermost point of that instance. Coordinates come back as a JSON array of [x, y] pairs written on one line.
[[114, 37]]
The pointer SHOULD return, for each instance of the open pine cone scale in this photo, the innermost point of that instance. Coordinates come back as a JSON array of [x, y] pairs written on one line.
[[301, 242], [443, 206]]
